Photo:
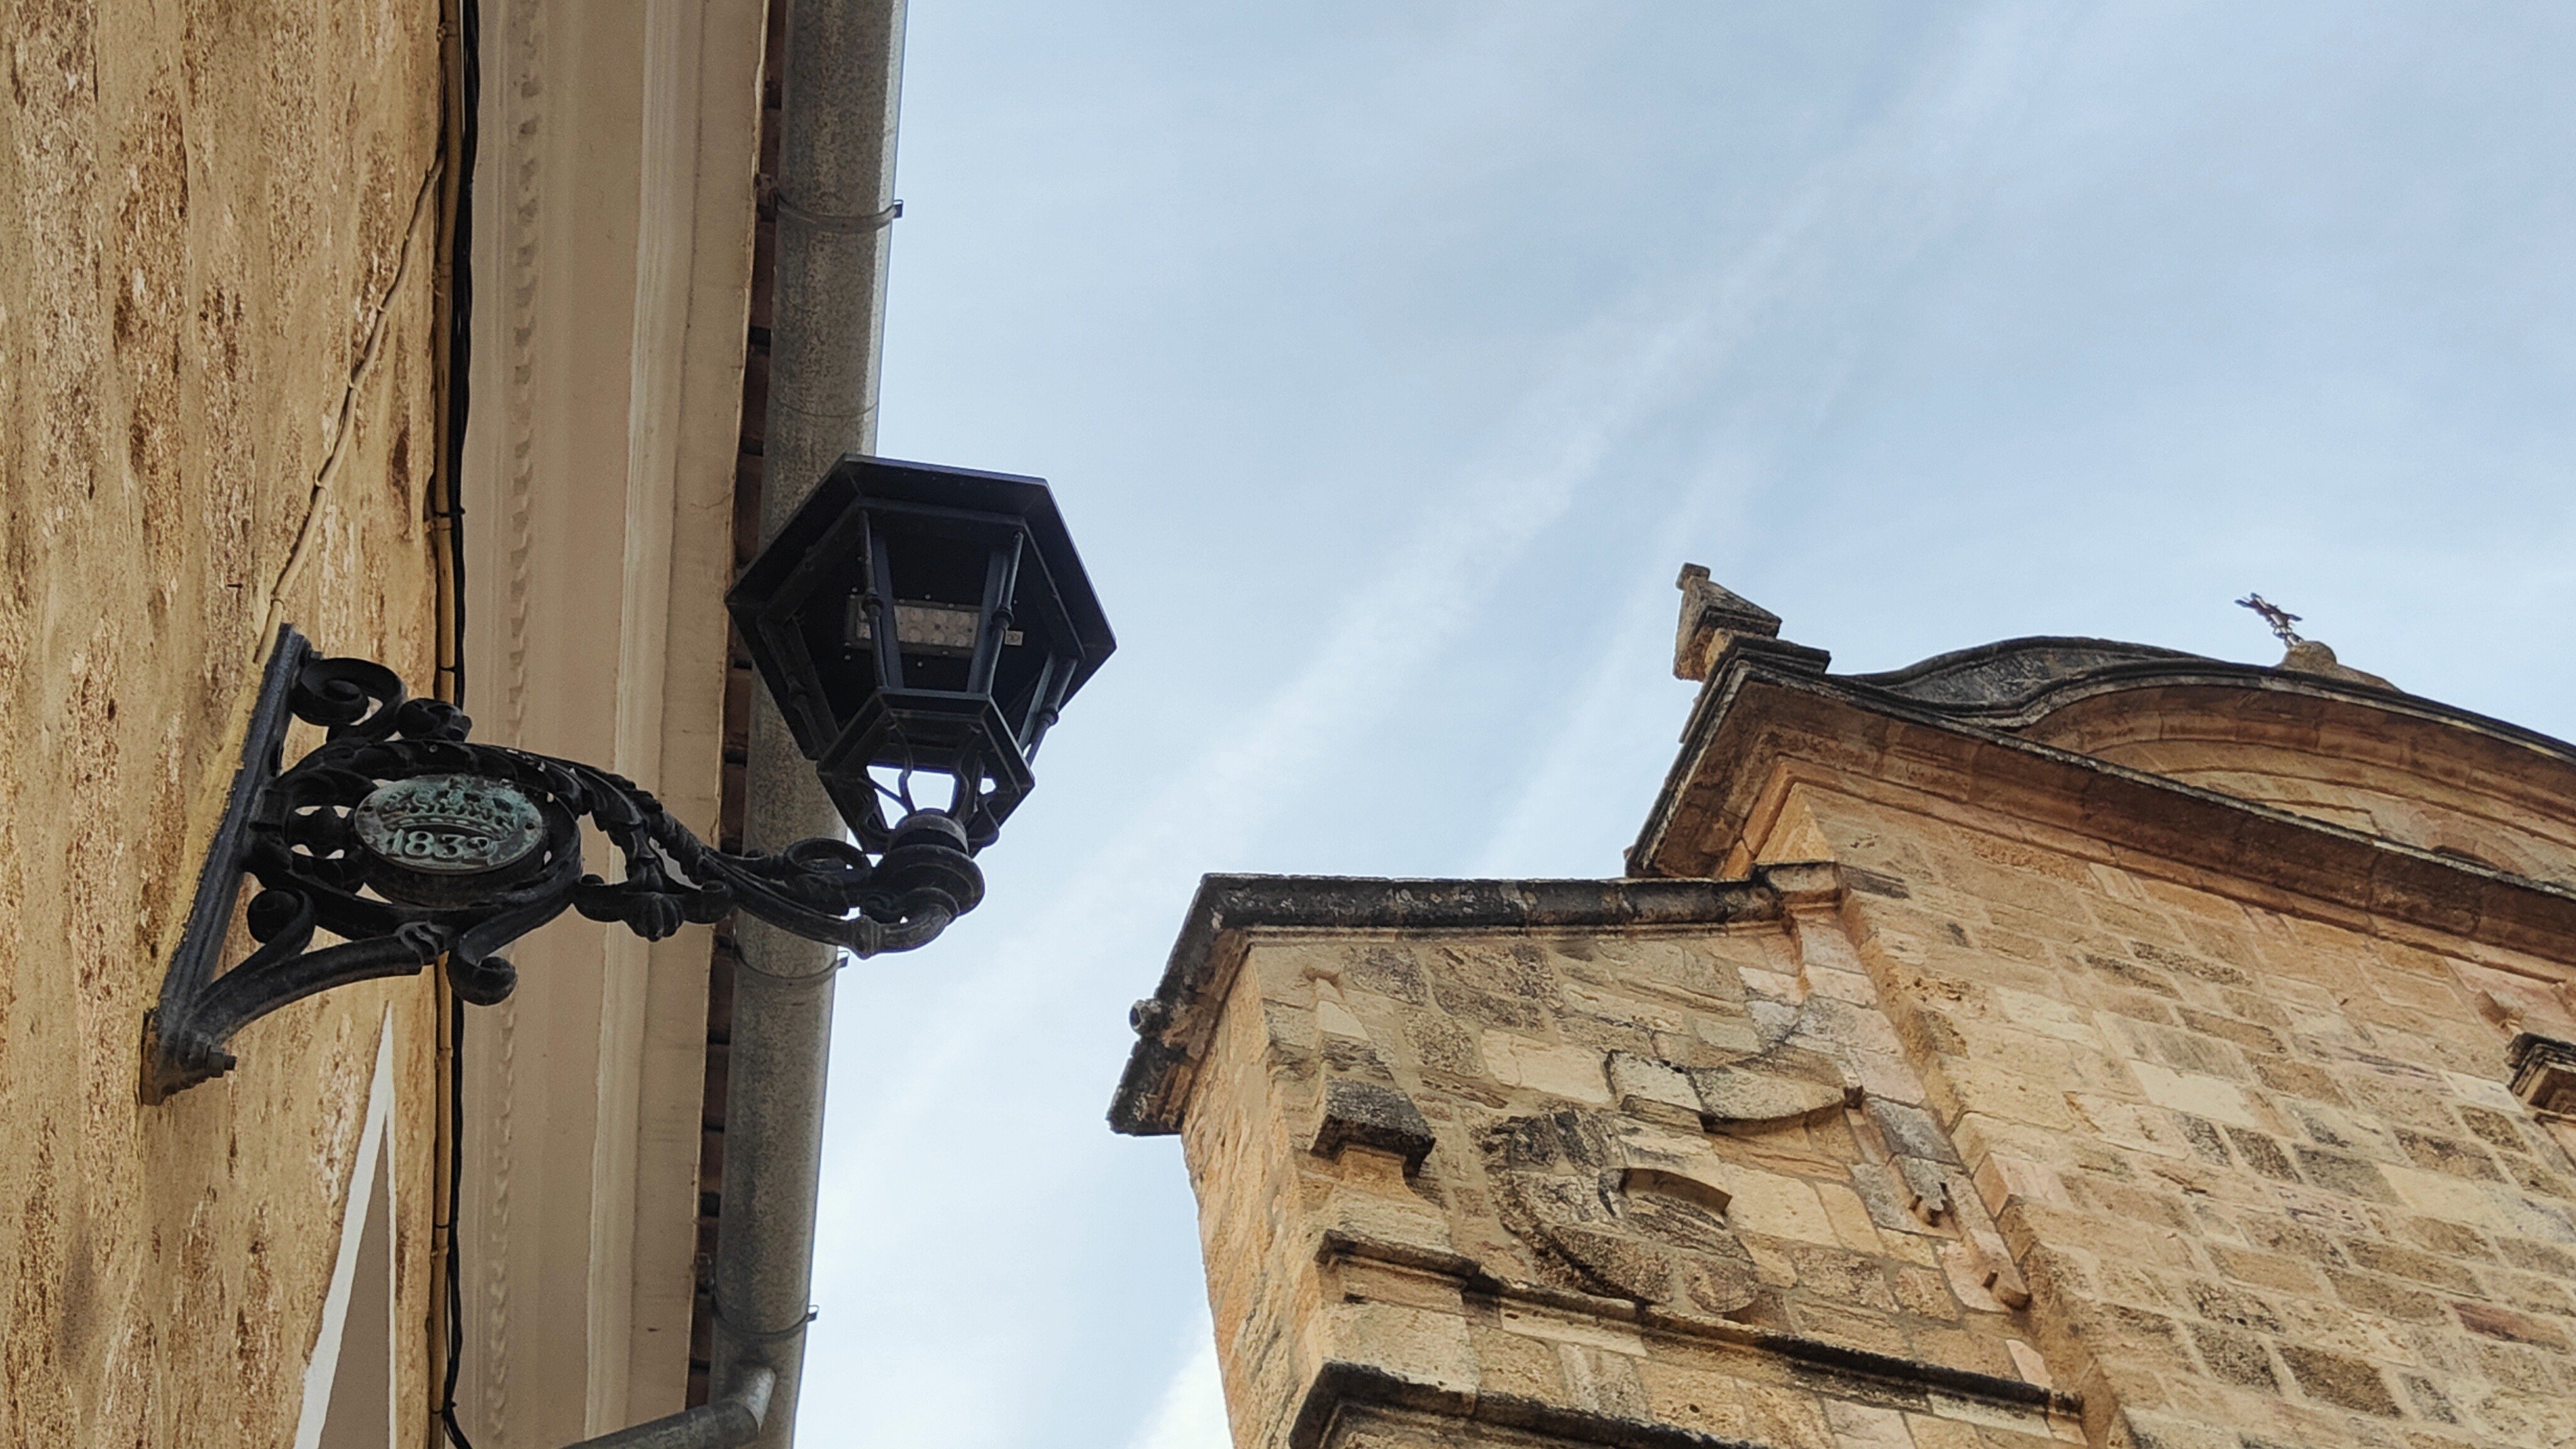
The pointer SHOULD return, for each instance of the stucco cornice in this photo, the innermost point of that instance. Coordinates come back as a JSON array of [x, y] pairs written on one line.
[[613, 269]]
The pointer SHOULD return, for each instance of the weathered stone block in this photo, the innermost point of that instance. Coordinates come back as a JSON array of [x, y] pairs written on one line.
[[2511, 1327], [1653, 1090], [2339, 1379], [1785, 1083], [1926, 1186], [1572, 1072], [1911, 1132], [1372, 1114]]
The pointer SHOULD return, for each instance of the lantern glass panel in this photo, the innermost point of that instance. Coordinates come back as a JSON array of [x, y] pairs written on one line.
[[992, 626]]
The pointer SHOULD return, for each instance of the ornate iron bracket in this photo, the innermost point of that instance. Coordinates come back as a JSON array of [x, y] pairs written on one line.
[[409, 842]]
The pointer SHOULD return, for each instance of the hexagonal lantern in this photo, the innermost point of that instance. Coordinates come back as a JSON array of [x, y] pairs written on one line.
[[992, 621]]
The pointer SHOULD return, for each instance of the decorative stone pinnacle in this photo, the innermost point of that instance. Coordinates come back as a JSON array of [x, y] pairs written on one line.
[[1713, 616]]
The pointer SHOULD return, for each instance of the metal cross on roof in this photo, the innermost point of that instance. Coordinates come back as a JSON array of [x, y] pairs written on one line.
[[2273, 614]]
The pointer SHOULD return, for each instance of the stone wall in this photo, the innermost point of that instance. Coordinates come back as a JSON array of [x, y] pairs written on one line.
[[2258, 1159], [1959, 1122], [1597, 1181], [217, 413]]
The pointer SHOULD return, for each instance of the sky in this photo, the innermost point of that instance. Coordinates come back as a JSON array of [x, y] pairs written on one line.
[[1389, 360]]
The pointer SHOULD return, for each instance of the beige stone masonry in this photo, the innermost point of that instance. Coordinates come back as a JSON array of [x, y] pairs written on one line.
[[1587, 1236], [2057, 1041], [219, 345], [2301, 1204]]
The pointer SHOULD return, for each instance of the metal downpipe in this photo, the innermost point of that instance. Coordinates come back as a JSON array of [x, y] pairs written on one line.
[[836, 202], [835, 206], [720, 1423]]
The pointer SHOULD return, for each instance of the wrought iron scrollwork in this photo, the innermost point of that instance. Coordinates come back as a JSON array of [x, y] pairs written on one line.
[[408, 842]]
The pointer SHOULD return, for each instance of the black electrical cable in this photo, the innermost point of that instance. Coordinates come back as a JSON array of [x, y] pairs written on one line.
[[460, 324], [460, 359], [455, 1174]]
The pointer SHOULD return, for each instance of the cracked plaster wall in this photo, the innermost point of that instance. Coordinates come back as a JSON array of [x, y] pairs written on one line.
[[217, 413]]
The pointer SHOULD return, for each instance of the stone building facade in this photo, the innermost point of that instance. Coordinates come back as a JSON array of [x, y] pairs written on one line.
[[230, 244], [2055, 1042], [219, 368]]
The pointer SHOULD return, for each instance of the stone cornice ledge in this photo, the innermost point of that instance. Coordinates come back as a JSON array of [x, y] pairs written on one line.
[[1174, 1024], [2134, 808], [1913, 1383], [1341, 1384]]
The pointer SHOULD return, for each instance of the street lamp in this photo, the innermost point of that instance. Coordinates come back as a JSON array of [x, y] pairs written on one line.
[[915, 624], [974, 579]]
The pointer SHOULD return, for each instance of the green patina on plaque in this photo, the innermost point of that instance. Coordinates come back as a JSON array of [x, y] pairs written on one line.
[[448, 824]]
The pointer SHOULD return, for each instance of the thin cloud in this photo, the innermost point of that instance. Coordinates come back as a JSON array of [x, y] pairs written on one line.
[[1626, 371], [1191, 1414]]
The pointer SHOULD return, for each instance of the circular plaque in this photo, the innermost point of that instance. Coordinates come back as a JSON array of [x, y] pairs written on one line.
[[448, 824]]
